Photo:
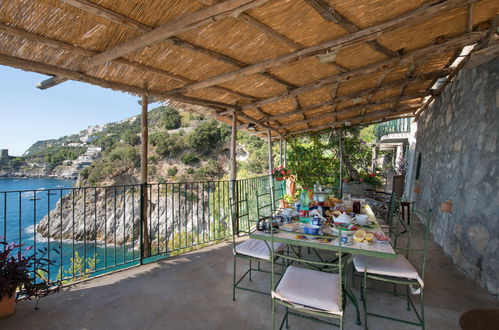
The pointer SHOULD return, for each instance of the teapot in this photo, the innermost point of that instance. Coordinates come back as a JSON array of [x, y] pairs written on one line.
[[264, 224], [344, 218]]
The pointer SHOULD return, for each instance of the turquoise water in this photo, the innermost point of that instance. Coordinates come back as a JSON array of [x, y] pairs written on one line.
[[23, 204]]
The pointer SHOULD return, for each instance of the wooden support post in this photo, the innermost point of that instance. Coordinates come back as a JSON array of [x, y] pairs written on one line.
[[374, 158], [146, 247], [285, 153], [280, 152], [271, 166], [233, 176]]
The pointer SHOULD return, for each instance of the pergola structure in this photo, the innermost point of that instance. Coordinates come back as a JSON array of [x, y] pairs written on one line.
[[279, 67], [291, 66]]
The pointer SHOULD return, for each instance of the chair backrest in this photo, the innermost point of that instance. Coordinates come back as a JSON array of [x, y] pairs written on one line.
[[264, 204], [398, 185], [241, 222], [425, 217]]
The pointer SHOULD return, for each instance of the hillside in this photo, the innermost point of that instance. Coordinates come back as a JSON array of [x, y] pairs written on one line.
[[183, 146]]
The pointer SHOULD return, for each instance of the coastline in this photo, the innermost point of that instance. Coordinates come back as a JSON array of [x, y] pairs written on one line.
[[4, 174]]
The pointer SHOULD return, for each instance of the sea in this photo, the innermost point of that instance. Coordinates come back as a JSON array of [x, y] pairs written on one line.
[[19, 215]]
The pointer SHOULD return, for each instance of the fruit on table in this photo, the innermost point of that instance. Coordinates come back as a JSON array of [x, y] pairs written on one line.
[[369, 237], [359, 235]]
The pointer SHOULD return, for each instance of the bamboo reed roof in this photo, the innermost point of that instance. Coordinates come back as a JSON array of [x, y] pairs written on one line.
[[292, 66]]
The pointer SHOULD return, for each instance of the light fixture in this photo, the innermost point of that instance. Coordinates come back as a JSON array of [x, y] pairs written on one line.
[[328, 57], [251, 127]]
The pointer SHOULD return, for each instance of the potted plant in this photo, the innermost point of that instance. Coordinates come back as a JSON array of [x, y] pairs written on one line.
[[22, 274], [280, 173]]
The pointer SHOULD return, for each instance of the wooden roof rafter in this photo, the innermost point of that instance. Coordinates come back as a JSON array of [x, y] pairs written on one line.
[[252, 56]]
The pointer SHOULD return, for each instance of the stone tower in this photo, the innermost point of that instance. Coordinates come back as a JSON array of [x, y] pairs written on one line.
[[4, 153]]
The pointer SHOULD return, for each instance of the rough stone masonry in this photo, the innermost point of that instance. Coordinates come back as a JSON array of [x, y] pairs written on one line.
[[458, 141]]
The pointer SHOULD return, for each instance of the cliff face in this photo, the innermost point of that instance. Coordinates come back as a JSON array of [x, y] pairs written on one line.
[[110, 215]]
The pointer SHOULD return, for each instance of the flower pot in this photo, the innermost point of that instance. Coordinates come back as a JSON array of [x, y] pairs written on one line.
[[280, 179], [446, 206], [7, 305], [417, 189]]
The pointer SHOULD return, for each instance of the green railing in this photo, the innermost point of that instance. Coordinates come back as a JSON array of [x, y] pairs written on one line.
[[401, 125], [93, 230]]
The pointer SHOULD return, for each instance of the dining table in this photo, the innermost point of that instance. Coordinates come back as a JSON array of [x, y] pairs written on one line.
[[330, 242]]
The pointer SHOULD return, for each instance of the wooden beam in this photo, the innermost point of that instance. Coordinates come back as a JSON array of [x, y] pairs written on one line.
[[361, 119], [105, 13], [457, 42], [469, 21], [364, 35], [228, 8], [330, 14], [92, 8], [53, 81], [48, 69], [360, 107], [268, 31], [362, 93]]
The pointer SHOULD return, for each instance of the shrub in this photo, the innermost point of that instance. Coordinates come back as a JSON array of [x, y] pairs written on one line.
[[189, 159], [131, 138], [171, 118], [125, 153], [170, 145], [206, 137], [172, 171], [156, 137], [190, 170]]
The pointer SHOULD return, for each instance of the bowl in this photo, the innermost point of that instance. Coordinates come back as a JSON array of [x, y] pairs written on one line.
[[361, 219], [311, 230]]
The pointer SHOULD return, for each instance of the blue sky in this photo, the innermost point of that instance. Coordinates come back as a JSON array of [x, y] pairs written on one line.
[[28, 114]]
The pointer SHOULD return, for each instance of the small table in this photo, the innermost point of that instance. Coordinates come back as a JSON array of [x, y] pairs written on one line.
[[371, 249]]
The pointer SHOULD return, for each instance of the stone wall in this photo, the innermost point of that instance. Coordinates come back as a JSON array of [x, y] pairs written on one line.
[[458, 141]]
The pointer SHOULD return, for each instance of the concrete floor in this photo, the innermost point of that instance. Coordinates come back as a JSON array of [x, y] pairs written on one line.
[[193, 291]]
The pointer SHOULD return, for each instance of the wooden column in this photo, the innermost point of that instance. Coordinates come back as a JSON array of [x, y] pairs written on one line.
[[374, 158], [340, 192], [271, 166], [146, 247], [233, 176], [285, 153], [280, 152]]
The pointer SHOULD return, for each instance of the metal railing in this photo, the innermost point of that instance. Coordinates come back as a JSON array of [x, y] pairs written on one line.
[[401, 125], [94, 230]]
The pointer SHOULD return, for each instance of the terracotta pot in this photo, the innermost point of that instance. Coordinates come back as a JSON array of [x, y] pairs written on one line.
[[346, 180], [280, 179], [417, 189], [446, 206], [7, 305]]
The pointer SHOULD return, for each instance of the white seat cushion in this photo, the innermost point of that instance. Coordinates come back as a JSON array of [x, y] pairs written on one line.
[[312, 289], [399, 267], [256, 248]]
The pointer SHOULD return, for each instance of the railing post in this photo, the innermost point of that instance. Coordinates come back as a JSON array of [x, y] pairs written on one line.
[[141, 227]]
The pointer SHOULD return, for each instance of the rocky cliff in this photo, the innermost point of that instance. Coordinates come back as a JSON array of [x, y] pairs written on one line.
[[112, 215]]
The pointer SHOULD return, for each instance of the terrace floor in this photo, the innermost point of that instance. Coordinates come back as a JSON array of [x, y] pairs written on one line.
[[193, 291]]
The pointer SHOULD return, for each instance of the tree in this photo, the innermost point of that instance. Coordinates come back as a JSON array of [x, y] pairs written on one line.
[[207, 137], [130, 137], [170, 118]]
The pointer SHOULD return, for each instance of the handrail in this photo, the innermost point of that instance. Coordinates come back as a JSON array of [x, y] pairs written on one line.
[[95, 230], [400, 125]]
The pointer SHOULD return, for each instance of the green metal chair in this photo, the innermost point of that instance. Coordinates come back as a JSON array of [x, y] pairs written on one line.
[[253, 250], [398, 271], [309, 293]]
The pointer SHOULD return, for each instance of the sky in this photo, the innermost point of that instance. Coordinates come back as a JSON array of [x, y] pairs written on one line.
[[28, 114]]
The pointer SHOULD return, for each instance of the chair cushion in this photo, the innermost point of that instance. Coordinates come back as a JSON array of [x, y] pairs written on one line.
[[399, 267], [312, 289], [256, 248]]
